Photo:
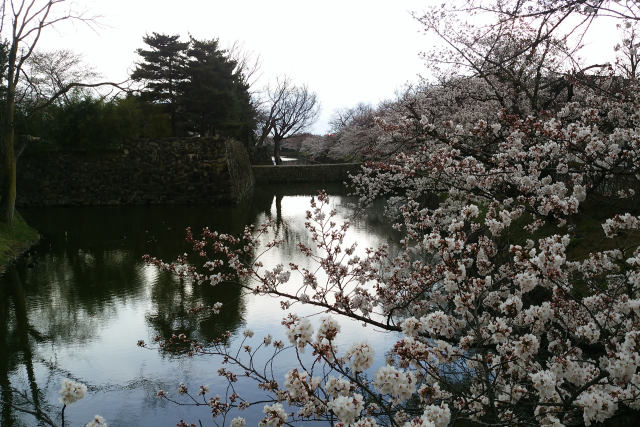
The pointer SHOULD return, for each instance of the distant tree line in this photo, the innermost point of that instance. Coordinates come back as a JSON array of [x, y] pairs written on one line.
[[182, 88]]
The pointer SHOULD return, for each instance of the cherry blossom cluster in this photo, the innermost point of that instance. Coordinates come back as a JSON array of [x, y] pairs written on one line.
[[72, 391]]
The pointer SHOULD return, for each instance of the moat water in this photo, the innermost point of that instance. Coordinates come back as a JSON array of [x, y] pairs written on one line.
[[78, 303]]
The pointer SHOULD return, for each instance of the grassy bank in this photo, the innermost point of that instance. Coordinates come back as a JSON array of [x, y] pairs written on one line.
[[14, 241]]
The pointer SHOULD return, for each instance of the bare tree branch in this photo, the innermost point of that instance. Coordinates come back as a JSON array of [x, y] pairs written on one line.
[[25, 23], [291, 110]]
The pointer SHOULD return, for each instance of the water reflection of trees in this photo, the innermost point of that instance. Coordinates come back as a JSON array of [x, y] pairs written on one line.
[[173, 300], [289, 226], [73, 284], [89, 265], [173, 314], [72, 295], [17, 338]]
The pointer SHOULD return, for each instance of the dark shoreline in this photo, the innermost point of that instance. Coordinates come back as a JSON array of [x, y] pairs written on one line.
[[20, 240]]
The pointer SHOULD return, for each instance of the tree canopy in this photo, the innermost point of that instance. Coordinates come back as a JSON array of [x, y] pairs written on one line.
[[214, 96], [162, 70], [199, 83]]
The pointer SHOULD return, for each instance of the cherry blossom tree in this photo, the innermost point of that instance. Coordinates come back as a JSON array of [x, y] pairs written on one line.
[[508, 308], [496, 326]]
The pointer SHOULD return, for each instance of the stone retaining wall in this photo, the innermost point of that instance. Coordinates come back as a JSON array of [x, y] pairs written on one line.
[[270, 174], [168, 171]]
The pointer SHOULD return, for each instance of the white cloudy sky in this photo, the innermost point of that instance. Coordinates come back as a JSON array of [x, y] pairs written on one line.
[[347, 51]]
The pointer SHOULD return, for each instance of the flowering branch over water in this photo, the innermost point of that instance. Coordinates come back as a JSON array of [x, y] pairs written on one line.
[[503, 318]]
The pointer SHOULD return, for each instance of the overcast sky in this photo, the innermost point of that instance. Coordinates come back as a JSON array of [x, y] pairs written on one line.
[[347, 51]]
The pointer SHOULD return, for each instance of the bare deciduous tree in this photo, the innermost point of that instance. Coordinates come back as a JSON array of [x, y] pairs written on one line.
[[21, 24], [360, 115], [47, 73], [248, 63], [290, 109]]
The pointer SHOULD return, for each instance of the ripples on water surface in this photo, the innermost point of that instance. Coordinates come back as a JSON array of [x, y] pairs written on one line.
[[77, 305]]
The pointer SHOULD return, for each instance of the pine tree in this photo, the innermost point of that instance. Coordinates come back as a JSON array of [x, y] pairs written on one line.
[[215, 96], [162, 69]]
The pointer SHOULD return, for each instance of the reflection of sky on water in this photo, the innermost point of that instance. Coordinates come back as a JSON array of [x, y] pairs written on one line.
[[90, 298], [265, 312]]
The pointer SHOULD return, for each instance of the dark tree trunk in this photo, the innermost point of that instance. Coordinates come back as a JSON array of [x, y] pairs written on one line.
[[276, 150], [8, 177]]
